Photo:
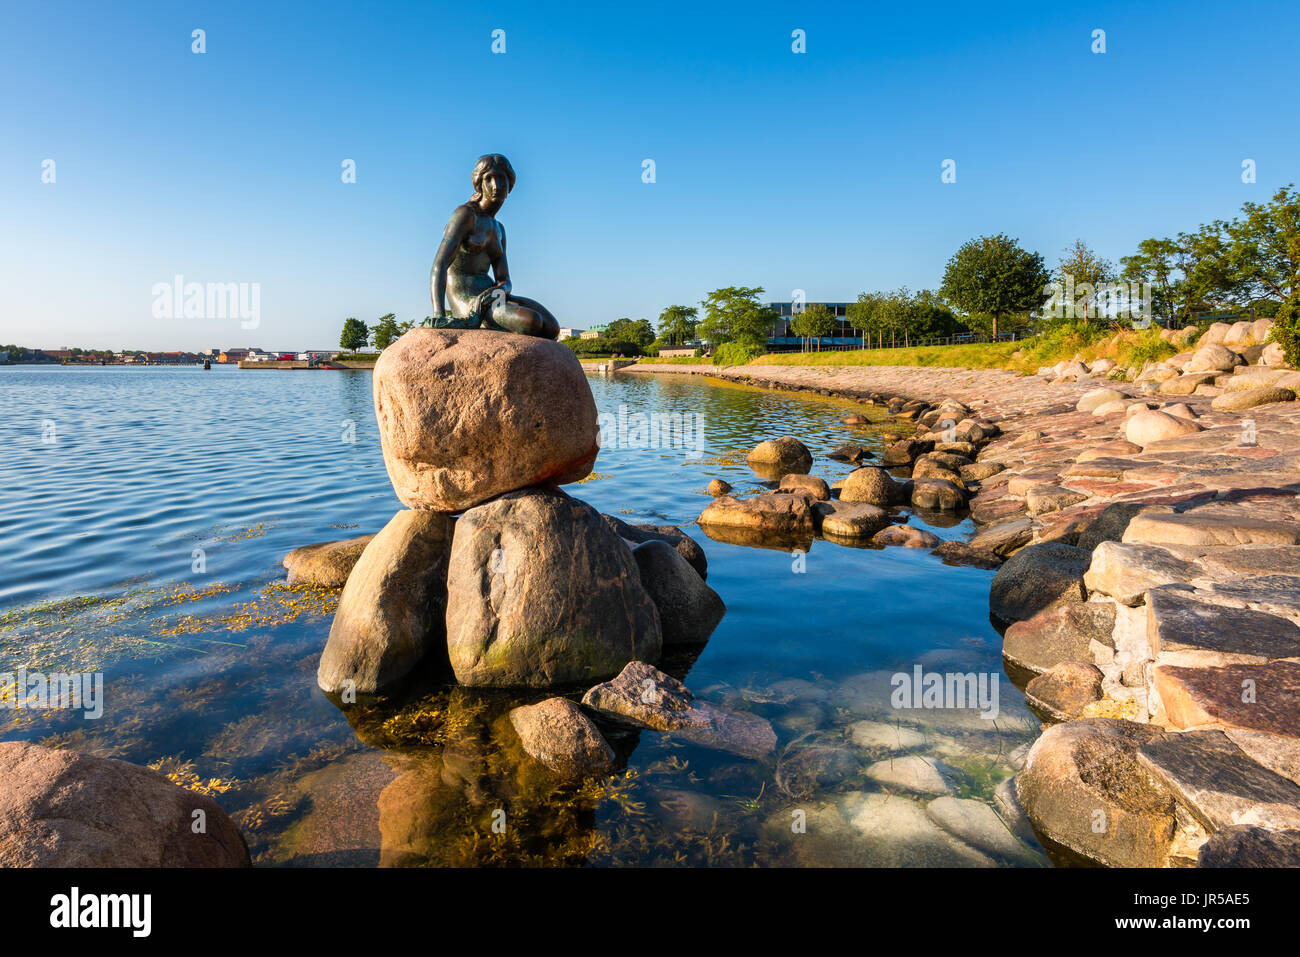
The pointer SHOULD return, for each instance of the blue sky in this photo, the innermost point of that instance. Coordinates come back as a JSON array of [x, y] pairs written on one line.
[[818, 171]]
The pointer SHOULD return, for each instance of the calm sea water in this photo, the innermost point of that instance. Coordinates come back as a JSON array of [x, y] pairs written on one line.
[[143, 517]]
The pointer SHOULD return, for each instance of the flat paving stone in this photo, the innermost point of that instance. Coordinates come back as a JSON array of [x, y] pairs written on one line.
[[1177, 621], [1215, 780], [1257, 697]]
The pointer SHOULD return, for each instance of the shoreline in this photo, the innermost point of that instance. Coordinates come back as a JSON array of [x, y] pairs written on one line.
[[1145, 585]]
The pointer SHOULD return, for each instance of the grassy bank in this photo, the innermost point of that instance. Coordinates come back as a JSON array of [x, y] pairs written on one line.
[[1126, 347], [988, 355]]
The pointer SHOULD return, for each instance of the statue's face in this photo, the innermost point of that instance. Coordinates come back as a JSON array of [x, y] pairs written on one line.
[[495, 187]]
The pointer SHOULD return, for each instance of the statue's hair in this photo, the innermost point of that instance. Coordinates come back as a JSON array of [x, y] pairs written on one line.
[[486, 164]]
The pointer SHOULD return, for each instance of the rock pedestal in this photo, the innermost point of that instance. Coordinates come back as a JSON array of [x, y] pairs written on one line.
[[540, 593], [465, 415]]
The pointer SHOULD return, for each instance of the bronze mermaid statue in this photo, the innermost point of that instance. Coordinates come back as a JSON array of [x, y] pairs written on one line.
[[472, 243]]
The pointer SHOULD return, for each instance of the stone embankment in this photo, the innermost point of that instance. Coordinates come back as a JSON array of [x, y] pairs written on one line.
[[1149, 523]]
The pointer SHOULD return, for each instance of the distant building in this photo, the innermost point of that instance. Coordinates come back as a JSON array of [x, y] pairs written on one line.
[[781, 334], [233, 355], [595, 332], [570, 333]]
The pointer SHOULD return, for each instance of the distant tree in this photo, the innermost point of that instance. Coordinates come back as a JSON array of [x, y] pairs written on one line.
[[1083, 274], [993, 276], [355, 334], [814, 322], [638, 331], [734, 314], [386, 331], [677, 323], [866, 315]]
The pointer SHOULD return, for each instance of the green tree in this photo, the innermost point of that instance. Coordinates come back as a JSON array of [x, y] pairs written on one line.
[[1286, 329], [814, 322], [866, 315], [993, 276], [385, 331], [638, 331], [355, 334], [734, 314], [677, 323], [1084, 274]]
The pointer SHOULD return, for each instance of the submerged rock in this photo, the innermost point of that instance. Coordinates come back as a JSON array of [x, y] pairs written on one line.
[[540, 593], [913, 772], [979, 825], [557, 733], [60, 808], [465, 415], [391, 614]]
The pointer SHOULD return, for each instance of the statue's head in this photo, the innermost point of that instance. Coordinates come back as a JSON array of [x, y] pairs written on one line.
[[493, 178]]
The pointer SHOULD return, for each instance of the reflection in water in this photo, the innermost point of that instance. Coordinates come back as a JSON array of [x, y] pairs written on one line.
[[210, 674]]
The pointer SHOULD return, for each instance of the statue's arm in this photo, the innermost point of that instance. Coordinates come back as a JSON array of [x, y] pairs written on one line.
[[500, 268], [452, 236]]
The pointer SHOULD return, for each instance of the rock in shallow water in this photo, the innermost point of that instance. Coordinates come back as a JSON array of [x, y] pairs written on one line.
[[644, 697], [541, 593], [391, 613], [778, 457], [872, 485], [465, 415], [1083, 789], [1065, 690], [1037, 578], [686, 546], [689, 610], [558, 733], [327, 564], [913, 772], [63, 809]]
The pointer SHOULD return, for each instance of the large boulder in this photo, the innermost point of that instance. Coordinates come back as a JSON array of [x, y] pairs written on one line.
[[391, 612], [540, 592], [467, 414], [1213, 358], [328, 564], [1042, 576], [1084, 790], [689, 610], [64, 809]]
